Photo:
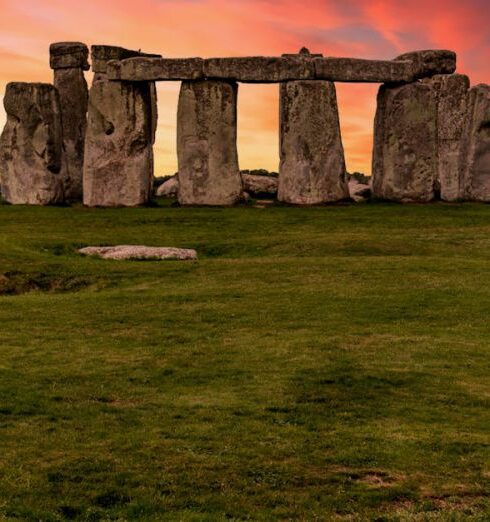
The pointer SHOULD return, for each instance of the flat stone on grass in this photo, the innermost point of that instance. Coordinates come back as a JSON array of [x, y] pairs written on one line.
[[139, 252]]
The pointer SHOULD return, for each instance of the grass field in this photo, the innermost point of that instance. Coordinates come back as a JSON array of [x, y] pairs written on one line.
[[314, 364]]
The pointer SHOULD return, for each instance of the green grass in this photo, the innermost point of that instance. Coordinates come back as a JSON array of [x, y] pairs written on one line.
[[314, 364]]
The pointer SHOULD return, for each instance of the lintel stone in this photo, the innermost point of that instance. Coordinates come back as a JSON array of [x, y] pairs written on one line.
[[102, 54], [68, 55]]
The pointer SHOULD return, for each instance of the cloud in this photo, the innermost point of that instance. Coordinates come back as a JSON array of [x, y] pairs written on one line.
[[364, 28]]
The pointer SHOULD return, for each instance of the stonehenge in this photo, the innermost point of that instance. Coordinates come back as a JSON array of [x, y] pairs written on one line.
[[64, 143]]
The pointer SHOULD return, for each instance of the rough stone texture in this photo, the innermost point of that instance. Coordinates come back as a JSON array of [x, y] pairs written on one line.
[[260, 185], [206, 144], [475, 149], [431, 62], [405, 143], [152, 69], [135, 252], [68, 55], [169, 188], [118, 162], [312, 169], [259, 69], [357, 70], [32, 162], [102, 54], [451, 91], [73, 92], [359, 191]]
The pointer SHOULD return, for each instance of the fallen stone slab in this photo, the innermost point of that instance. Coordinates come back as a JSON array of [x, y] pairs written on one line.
[[139, 252], [259, 185], [367, 71], [430, 62], [169, 188]]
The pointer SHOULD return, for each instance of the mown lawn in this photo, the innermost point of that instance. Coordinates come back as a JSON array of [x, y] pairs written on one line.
[[314, 364]]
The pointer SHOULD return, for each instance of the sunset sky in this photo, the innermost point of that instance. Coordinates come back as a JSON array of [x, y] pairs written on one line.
[[174, 28]]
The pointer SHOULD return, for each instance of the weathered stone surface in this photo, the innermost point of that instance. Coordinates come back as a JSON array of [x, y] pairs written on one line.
[[260, 185], [118, 161], [259, 69], [312, 168], [206, 144], [358, 70], [431, 62], [450, 91], [32, 162], [68, 55], [102, 54], [152, 69], [73, 92], [475, 149], [359, 191], [136, 252], [169, 188], [405, 143]]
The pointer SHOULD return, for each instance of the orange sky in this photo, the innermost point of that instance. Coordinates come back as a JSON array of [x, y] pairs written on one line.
[[173, 28]]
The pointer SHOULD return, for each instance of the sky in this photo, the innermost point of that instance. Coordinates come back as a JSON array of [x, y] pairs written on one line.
[[381, 29]]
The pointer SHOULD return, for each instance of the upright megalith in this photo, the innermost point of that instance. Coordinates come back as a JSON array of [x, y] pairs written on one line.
[[450, 92], [475, 147], [69, 61], [207, 143], [32, 162], [312, 169], [118, 160], [405, 163]]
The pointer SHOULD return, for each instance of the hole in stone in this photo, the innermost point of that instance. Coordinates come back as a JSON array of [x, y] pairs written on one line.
[[357, 108], [258, 127]]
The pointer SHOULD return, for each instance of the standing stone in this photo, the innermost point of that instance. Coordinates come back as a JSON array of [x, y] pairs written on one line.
[[451, 92], [118, 162], [405, 143], [32, 163], [206, 144], [69, 60], [312, 169], [475, 148]]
